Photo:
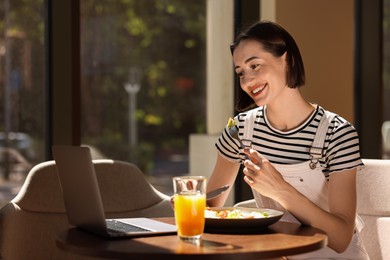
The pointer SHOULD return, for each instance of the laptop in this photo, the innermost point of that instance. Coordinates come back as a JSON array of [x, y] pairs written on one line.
[[83, 202]]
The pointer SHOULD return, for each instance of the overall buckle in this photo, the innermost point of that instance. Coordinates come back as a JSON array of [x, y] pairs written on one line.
[[315, 155]]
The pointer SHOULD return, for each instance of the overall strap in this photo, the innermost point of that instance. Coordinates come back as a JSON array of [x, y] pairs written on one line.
[[249, 125], [316, 151]]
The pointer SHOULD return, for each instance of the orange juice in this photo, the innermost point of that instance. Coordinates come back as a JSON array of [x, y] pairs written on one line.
[[189, 214]]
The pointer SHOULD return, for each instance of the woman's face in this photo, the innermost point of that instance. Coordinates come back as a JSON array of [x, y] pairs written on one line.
[[262, 76]]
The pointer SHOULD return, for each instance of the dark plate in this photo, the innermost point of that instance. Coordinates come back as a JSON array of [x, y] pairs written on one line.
[[252, 225]]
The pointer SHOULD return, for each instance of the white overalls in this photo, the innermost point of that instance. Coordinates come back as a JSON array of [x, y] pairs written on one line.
[[308, 178]]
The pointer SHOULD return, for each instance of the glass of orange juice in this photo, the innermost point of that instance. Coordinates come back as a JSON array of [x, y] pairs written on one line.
[[190, 203]]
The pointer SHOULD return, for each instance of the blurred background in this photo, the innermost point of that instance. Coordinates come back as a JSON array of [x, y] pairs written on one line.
[[151, 81]]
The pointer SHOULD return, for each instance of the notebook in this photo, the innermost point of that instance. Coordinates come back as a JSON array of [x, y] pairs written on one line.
[[83, 202]]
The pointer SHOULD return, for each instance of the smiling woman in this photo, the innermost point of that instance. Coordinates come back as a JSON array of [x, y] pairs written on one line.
[[303, 159]]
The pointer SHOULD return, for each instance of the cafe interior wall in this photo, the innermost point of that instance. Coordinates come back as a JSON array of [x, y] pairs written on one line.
[[324, 33]]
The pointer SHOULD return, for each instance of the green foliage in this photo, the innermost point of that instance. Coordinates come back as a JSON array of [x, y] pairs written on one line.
[[166, 39], [23, 24]]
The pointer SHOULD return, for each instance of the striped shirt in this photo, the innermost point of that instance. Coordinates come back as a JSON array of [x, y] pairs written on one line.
[[341, 146]]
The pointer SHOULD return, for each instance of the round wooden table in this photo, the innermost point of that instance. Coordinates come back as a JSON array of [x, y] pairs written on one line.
[[279, 239]]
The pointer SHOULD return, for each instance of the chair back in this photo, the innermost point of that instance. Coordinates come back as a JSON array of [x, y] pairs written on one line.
[[373, 205]]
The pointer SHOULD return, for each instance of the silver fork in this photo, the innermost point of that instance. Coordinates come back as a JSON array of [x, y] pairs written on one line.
[[233, 131]]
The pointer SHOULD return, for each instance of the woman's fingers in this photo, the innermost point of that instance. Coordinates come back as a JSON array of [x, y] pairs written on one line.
[[254, 156], [171, 200], [251, 172], [252, 165], [255, 169], [248, 180]]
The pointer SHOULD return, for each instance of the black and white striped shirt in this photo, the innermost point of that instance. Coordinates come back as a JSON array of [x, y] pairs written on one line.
[[341, 147]]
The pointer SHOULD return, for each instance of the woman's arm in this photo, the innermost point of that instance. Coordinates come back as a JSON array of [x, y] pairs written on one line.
[[224, 173], [338, 223]]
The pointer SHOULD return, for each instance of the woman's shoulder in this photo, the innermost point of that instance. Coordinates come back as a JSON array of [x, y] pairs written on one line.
[[342, 144], [333, 117], [337, 123]]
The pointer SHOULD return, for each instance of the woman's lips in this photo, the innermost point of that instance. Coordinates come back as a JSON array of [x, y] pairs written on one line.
[[258, 90]]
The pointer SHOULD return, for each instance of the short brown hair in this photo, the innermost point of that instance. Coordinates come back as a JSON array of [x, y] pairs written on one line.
[[277, 41]]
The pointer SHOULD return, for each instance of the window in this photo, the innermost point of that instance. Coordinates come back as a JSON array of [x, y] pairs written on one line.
[[143, 81], [22, 87]]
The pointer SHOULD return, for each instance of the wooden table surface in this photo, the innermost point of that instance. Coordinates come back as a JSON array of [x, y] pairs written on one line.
[[279, 239]]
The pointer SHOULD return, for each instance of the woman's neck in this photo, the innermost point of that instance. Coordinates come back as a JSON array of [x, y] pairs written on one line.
[[288, 114]]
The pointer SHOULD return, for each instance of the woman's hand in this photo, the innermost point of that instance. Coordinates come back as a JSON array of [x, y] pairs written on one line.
[[262, 176], [172, 201]]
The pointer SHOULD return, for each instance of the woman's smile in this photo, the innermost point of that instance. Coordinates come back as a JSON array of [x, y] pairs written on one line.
[[257, 91]]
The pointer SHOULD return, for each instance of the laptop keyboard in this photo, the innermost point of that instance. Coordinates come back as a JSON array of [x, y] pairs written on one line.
[[120, 227]]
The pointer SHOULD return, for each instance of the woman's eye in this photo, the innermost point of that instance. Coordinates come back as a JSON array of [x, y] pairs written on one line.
[[239, 74], [254, 66]]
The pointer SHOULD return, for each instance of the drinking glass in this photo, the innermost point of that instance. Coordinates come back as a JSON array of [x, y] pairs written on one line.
[[190, 204]]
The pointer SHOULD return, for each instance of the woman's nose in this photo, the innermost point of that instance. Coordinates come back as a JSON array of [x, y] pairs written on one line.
[[247, 79]]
